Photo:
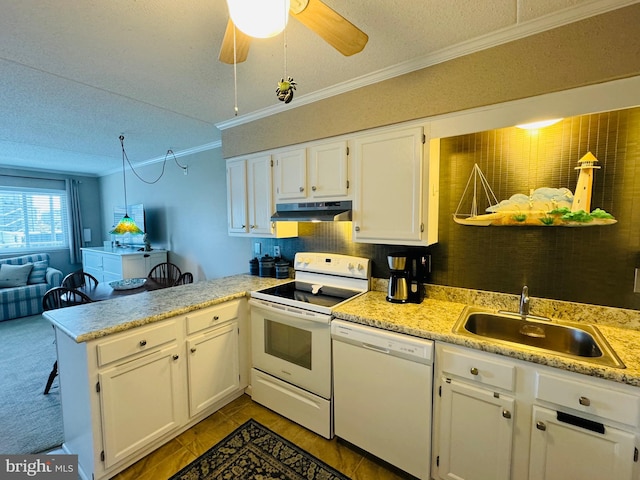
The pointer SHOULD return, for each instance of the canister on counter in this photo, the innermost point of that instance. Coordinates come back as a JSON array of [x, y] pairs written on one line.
[[282, 268], [267, 266], [254, 266]]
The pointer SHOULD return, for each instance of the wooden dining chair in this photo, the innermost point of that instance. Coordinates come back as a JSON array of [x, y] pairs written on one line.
[[60, 297], [165, 274], [186, 277], [79, 279]]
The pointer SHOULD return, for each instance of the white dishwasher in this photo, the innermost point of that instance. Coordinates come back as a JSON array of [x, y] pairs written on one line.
[[382, 387]]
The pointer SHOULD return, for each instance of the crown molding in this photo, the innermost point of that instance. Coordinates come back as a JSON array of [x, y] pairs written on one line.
[[493, 39]]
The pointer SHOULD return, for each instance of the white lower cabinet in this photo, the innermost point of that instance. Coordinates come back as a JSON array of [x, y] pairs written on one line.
[[141, 401], [565, 446], [476, 428], [213, 363], [126, 394], [501, 418]]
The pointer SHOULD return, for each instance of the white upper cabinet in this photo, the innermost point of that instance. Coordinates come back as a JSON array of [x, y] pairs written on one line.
[[396, 178], [328, 170], [237, 196], [317, 173], [291, 175], [250, 199]]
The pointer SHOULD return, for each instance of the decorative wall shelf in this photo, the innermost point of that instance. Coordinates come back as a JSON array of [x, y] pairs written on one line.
[[543, 207]]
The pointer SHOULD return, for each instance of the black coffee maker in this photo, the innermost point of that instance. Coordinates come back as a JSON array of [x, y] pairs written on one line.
[[408, 273]]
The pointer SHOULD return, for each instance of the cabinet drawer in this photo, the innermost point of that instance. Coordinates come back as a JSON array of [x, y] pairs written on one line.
[[139, 340], [588, 398], [208, 317], [479, 369]]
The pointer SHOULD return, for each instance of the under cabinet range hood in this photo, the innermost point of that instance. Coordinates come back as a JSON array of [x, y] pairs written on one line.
[[313, 212]]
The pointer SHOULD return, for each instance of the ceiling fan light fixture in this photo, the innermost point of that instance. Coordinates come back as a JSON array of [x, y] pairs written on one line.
[[259, 18]]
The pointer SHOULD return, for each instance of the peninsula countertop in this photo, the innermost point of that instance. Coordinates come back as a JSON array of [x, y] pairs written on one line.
[[94, 320], [434, 319]]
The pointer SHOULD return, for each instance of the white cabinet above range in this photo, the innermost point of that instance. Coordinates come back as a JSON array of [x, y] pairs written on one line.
[[318, 172]]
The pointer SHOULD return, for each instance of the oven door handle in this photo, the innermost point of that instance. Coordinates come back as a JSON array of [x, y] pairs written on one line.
[[291, 311]]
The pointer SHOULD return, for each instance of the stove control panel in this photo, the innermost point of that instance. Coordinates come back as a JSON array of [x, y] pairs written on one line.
[[333, 264]]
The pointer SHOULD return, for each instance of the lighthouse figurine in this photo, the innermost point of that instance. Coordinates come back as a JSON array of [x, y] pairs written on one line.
[[582, 195]]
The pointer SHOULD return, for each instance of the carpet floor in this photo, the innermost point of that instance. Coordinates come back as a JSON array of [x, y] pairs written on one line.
[[253, 451], [30, 422]]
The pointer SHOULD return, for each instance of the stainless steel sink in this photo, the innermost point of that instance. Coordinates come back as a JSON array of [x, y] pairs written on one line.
[[581, 342]]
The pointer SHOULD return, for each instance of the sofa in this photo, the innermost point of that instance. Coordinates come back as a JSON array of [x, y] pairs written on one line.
[[22, 286]]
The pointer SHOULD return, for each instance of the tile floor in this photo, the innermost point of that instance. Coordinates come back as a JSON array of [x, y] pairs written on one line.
[[185, 448]]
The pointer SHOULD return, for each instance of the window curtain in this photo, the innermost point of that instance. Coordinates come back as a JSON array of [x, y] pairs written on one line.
[[75, 221]]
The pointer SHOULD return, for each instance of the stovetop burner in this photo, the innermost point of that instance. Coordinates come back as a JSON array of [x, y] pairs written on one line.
[[316, 294]]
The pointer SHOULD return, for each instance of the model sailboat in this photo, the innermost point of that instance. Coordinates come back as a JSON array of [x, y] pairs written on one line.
[[477, 181]]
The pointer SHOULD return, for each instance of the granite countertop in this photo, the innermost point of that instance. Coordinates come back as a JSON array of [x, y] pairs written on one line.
[[94, 320], [434, 319]]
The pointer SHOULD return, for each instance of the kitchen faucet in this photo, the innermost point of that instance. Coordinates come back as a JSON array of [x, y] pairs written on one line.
[[524, 302]]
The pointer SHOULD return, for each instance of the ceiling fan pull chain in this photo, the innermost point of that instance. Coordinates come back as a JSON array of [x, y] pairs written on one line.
[[235, 75]]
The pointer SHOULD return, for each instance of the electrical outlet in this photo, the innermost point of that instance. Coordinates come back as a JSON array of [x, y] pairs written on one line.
[[257, 248], [276, 251]]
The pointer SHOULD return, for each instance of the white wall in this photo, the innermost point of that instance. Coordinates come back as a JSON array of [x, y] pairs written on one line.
[[185, 214]]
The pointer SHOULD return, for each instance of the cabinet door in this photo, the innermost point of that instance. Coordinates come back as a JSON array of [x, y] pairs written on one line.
[[237, 196], [388, 175], [562, 450], [140, 401], [134, 266], [476, 429], [328, 170], [291, 175], [260, 200], [92, 264], [213, 366]]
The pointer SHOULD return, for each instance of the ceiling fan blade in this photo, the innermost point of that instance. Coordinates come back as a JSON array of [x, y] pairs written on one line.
[[243, 42], [336, 30]]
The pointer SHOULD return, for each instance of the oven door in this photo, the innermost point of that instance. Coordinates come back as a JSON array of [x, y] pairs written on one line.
[[291, 347]]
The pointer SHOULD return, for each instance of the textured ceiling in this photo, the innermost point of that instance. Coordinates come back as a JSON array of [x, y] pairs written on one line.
[[76, 75]]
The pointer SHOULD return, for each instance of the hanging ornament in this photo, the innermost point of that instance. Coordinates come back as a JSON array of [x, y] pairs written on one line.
[[285, 89]]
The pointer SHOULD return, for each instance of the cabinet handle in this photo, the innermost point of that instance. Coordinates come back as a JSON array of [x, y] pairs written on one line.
[[143, 343], [313, 188], [541, 426], [252, 227], [175, 357], [302, 189], [506, 413], [357, 228], [215, 318], [473, 371], [584, 401], [146, 255], [193, 349]]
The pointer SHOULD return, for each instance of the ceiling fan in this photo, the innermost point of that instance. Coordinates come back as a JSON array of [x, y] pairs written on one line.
[[336, 30]]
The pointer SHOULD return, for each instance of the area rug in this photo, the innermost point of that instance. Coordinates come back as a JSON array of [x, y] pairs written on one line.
[[30, 422], [253, 451]]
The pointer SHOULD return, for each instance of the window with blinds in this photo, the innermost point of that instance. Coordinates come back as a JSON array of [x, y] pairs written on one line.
[[32, 219]]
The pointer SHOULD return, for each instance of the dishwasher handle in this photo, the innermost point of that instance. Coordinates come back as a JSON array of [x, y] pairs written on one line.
[[375, 348]]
